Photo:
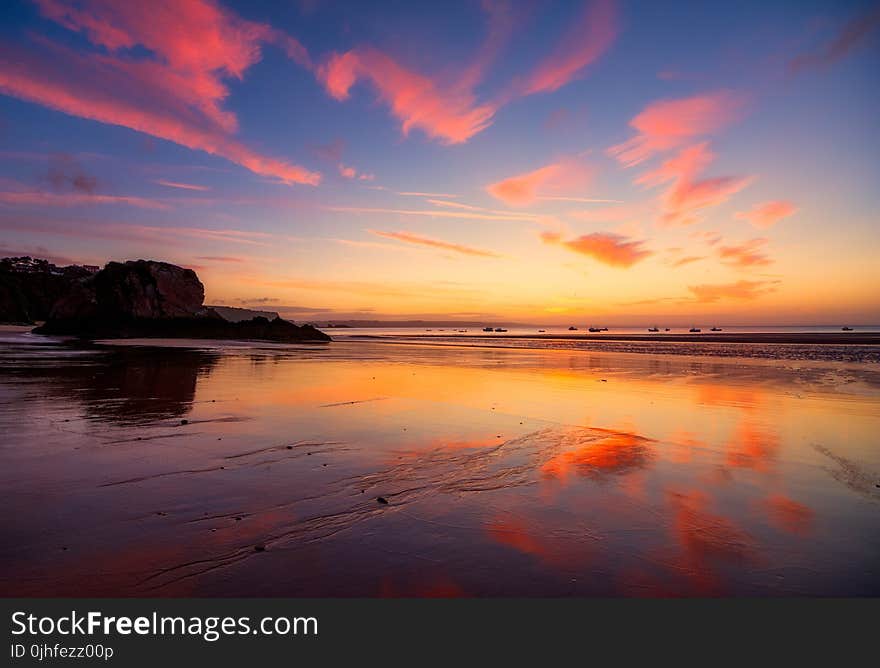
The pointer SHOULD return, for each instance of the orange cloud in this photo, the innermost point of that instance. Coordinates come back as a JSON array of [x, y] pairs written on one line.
[[688, 195], [409, 238], [668, 124], [175, 93], [748, 254], [525, 189], [767, 214], [448, 114], [611, 249], [741, 290], [687, 260], [588, 38]]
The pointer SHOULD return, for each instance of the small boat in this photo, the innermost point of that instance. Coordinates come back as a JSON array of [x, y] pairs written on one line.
[[500, 329], [666, 330], [603, 329], [572, 329], [716, 329], [541, 331], [846, 329], [488, 329], [695, 330], [653, 329], [595, 329]]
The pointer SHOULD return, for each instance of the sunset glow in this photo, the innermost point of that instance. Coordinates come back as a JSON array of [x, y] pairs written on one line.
[[559, 163]]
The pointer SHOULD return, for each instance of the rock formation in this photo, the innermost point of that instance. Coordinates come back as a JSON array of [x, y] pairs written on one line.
[[29, 287], [145, 298]]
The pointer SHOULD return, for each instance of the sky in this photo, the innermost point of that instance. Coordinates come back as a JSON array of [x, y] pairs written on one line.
[[622, 163]]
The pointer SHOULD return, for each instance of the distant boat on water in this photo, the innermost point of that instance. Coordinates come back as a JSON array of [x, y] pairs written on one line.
[[716, 329], [666, 330], [846, 329], [595, 329], [572, 329], [653, 329], [695, 330], [488, 329], [500, 329], [540, 331]]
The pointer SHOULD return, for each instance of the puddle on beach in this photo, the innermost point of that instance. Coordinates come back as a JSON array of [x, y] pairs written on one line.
[[255, 471]]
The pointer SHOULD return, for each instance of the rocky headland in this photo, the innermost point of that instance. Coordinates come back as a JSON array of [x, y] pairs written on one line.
[[146, 298]]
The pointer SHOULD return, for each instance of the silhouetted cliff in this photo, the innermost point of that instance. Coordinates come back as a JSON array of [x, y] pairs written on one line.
[[146, 298], [29, 287]]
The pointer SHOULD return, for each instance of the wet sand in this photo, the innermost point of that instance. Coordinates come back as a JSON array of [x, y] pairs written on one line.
[[254, 470]]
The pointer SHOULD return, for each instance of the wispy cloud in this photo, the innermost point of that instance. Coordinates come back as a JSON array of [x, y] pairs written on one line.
[[182, 186], [748, 254], [448, 114], [853, 34], [669, 124], [767, 214], [153, 234], [423, 194], [681, 262], [436, 213], [220, 258], [611, 249], [410, 238], [524, 189], [582, 200], [449, 110], [588, 38], [740, 290], [688, 195], [38, 198], [175, 93]]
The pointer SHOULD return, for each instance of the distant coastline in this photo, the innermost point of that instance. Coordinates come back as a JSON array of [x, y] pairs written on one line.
[[806, 338]]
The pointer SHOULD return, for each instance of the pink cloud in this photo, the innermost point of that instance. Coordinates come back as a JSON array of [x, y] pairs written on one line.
[[748, 254], [741, 290], [588, 38], [611, 249], [668, 124], [408, 237], [352, 173], [525, 189], [767, 214], [176, 92], [449, 114], [688, 195]]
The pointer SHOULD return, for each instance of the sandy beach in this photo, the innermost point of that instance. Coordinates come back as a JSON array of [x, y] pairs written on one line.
[[187, 468]]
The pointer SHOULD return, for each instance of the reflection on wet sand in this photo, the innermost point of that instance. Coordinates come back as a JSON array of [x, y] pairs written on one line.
[[257, 471]]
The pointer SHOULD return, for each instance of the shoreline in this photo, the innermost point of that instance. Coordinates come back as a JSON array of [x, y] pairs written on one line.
[[807, 338]]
